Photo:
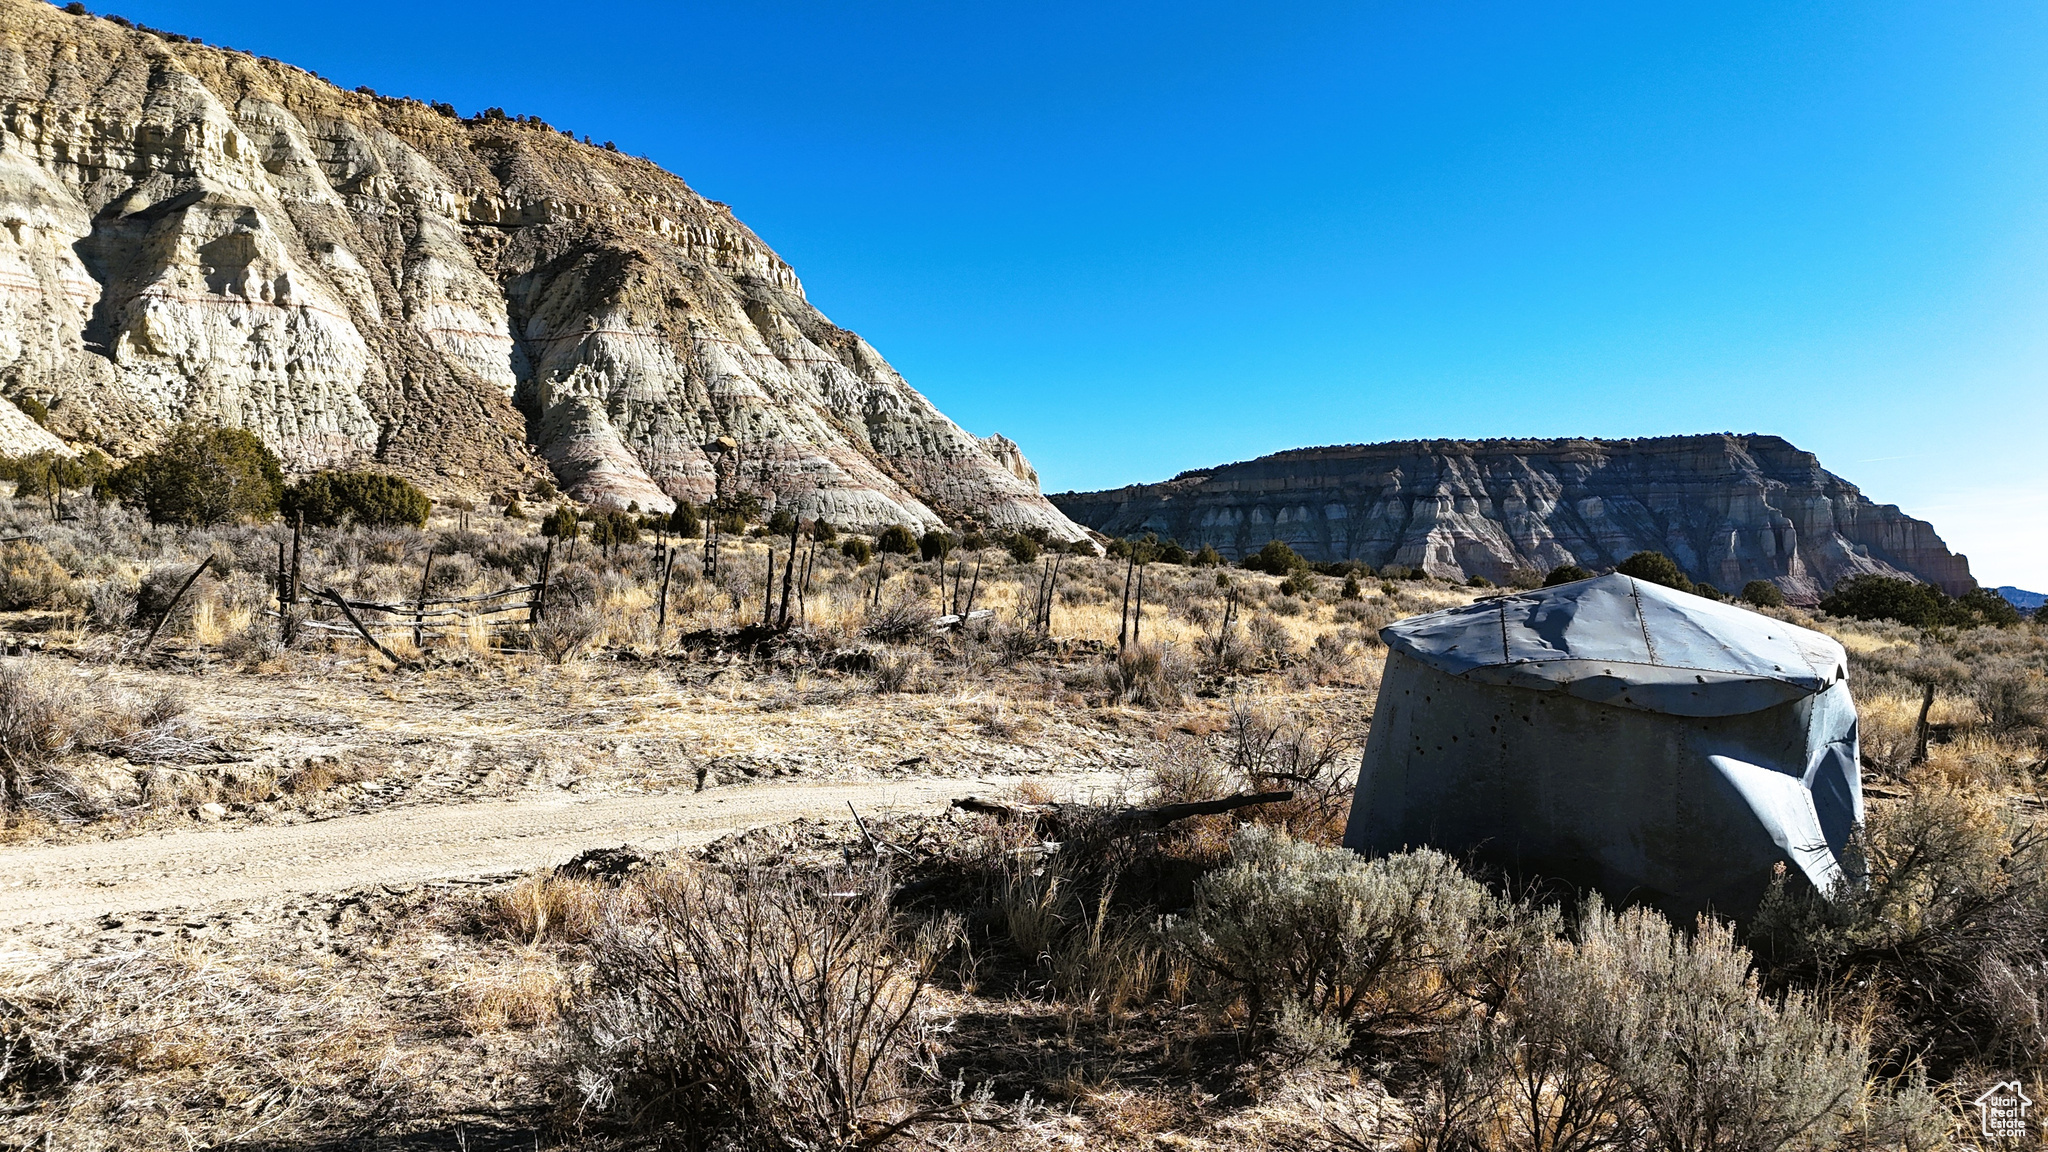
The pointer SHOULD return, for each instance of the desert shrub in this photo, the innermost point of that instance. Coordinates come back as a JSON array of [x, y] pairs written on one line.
[[1267, 749], [31, 407], [2012, 698], [1950, 926], [160, 585], [369, 499], [111, 603], [1657, 568], [1351, 590], [453, 572], [1171, 552], [935, 545], [901, 670], [514, 510], [1275, 559], [823, 532], [1271, 639], [611, 528], [758, 1012], [896, 539], [1640, 1035], [30, 579], [684, 521], [1300, 582], [782, 523], [45, 717], [1152, 675], [34, 474], [900, 621], [203, 475], [1709, 591], [1023, 549], [1884, 598], [857, 550], [1763, 594], [1208, 557], [1382, 943], [561, 523], [566, 630], [1565, 574]]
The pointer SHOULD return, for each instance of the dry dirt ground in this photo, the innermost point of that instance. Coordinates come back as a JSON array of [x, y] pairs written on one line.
[[339, 773], [65, 885], [285, 952]]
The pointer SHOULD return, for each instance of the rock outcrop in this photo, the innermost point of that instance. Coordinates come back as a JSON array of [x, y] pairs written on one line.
[[193, 233], [1730, 509]]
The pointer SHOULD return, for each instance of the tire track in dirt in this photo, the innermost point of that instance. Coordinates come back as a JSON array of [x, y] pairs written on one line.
[[189, 869]]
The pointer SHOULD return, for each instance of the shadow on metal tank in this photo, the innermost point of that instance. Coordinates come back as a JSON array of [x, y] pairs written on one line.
[[1615, 735]]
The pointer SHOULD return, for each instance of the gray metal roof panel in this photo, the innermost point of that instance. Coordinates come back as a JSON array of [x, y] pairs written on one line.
[[1626, 642]]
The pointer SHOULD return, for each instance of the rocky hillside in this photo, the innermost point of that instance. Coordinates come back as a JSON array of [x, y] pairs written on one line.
[[1730, 509], [193, 233]]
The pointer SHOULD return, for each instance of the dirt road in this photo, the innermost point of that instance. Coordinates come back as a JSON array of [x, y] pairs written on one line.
[[77, 882]]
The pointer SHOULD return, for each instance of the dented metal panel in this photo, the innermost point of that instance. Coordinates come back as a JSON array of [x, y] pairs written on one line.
[[1646, 742]]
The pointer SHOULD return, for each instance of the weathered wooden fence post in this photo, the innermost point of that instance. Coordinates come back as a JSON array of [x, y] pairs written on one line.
[[175, 601], [788, 577], [298, 528], [419, 616], [284, 589], [668, 567], [1138, 614], [539, 611], [1123, 613]]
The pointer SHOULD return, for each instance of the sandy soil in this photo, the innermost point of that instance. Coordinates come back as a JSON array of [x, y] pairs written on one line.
[[194, 869]]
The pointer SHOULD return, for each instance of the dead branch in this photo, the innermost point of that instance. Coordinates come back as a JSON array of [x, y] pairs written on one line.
[[1124, 821]]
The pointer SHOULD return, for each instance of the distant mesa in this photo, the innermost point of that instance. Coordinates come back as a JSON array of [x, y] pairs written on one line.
[[1728, 508], [2022, 599]]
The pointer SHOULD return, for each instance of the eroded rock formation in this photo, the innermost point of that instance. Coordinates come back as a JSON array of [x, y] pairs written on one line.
[[192, 233], [1730, 509]]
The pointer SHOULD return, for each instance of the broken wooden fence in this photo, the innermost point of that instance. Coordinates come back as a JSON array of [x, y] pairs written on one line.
[[431, 616]]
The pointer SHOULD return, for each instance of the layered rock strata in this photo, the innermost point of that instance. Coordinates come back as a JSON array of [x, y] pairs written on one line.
[[1730, 509], [193, 233]]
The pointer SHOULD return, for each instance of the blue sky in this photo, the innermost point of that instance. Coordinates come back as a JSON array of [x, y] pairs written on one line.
[[1140, 238]]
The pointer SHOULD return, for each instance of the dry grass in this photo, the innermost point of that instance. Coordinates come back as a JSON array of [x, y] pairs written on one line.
[[530, 991], [547, 908]]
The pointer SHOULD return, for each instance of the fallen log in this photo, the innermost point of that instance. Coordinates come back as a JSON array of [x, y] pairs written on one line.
[[1124, 821]]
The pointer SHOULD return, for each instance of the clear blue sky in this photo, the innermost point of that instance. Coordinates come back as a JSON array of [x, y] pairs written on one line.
[[1139, 238]]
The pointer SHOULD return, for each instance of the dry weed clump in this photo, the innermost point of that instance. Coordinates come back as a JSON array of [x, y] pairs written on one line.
[[765, 1011], [48, 717], [29, 578], [1152, 675], [548, 907], [529, 993]]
